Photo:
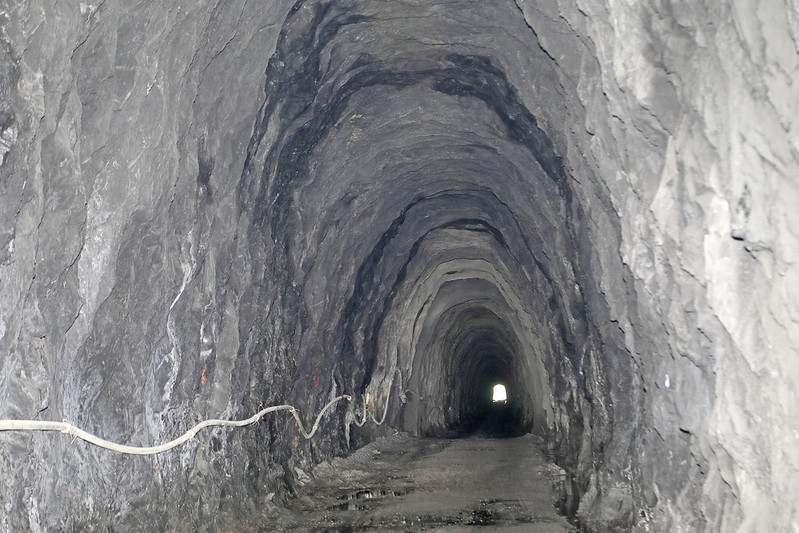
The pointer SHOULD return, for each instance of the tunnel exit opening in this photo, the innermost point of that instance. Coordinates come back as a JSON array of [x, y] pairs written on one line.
[[500, 394]]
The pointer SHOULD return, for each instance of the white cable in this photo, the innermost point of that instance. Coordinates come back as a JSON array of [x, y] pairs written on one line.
[[70, 429]]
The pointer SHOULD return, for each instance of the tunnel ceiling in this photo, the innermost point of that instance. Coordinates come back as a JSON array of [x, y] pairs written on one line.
[[400, 161], [398, 151], [213, 208]]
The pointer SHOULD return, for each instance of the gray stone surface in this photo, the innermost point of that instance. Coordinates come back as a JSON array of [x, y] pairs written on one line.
[[210, 207]]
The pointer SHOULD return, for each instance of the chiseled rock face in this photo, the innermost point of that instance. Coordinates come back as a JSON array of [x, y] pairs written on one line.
[[209, 209]]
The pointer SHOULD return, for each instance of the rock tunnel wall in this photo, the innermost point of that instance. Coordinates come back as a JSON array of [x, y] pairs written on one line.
[[214, 208]]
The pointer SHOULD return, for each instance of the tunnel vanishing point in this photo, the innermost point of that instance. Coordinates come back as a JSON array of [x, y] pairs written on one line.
[[211, 207]]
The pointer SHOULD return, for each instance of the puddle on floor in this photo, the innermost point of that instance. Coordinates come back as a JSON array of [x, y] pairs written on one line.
[[484, 513], [359, 500]]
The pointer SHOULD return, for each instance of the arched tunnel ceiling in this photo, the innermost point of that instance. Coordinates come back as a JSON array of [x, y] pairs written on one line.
[[395, 154], [437, 138], [211, 208]]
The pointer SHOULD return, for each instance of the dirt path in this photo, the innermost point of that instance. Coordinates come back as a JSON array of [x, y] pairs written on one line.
[[408, 484]]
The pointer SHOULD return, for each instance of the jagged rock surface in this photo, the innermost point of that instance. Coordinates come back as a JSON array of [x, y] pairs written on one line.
[[211, 208]]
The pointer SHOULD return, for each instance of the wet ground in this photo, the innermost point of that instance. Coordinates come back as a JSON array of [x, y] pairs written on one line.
[[404, 483]]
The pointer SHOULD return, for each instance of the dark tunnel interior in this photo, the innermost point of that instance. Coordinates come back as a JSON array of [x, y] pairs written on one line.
[[486, 363], [397, 221], [396, 205], [483, 354]]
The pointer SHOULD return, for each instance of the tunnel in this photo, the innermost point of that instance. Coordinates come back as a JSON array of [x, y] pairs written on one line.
[[379, 210], [483, 360]]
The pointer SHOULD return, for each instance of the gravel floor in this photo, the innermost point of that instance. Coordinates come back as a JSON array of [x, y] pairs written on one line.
[[403, 483]]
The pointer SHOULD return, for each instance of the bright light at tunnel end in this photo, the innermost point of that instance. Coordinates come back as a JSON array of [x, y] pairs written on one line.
[[500, 394]]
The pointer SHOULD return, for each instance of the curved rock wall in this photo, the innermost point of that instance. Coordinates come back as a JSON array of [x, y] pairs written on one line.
[[126, 272], [213, 208], [689, 122]]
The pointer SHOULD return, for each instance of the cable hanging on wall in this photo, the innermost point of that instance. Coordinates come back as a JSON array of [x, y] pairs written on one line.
[[70, 429]]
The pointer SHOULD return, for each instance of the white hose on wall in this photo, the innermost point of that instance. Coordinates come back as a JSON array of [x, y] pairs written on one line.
[[70, 429]]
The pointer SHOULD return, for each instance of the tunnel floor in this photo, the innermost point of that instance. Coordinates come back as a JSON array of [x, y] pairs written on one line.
[[403, 483], [494, 420]]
